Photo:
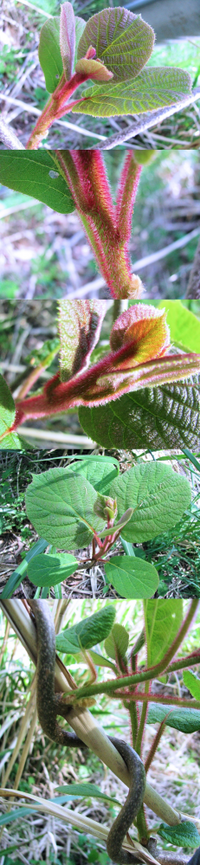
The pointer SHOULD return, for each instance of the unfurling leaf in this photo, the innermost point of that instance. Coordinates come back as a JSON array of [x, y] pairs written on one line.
[[105, 507], [145, 329], [94, 69], [79, 329], [67, 38]]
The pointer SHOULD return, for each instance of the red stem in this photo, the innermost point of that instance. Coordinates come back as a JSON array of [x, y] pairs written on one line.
[[86, 177]]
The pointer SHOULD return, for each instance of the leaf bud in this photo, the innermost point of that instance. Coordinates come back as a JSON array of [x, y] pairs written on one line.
[[105, 507]]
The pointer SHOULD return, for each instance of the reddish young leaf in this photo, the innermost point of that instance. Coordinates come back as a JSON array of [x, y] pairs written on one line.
[[67, 38], [79, 329], [94, 68], [145, 329]]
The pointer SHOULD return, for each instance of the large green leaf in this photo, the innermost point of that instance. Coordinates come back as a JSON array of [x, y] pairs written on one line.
[[100, 471], [184, 325], [32, 172], [51, 570], [132, 577], [60, 506], [158, 495], [166, 416], [49, 53], [153, 88], [88, 632], [162, 622], [186, 720], [123, 41]]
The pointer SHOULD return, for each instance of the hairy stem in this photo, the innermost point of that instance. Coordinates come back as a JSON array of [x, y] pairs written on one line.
[[86, 178]]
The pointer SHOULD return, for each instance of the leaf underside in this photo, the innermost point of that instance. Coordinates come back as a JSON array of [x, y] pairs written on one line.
[[153, 88], [29, 172], [166, 416]]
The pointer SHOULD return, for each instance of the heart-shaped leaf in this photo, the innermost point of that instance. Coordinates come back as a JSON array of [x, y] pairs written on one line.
[[88, 632], [60, 506], [122, 40], [158, 495], [132, 577], [79, 329], [32, 172], [51, 570], [153, 88], [167, 416]]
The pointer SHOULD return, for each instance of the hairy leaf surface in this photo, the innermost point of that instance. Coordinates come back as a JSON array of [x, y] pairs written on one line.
[[186, 720], [88, 632], [122, 40], [166, 416], [79, 329], [153, 88], [60, 506], [158, 496]]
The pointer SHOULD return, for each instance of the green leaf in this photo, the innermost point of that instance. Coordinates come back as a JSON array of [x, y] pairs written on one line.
[[185, 720], [132, 577], [99, 471], [87, 633], [101, 661], [192, 683], [117, 642], [33, 174], [184, 834], [153, 88], [60, 506], [167, 416], [7, 416], [158, 495], [184, 325], [49, 53], [75, 791], [122, 40], [163, 619], [79, 324], [50, 570]]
